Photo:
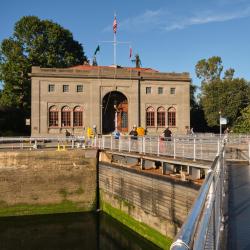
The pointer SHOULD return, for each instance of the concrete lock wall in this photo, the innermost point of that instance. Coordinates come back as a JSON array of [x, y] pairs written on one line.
[[37, 182], [159, 202]]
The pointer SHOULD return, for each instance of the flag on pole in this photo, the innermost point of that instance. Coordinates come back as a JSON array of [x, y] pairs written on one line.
[[115, 25], [130, 52], [97, 49]]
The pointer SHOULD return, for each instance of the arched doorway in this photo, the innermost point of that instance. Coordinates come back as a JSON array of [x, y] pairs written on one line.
[[114, 103]]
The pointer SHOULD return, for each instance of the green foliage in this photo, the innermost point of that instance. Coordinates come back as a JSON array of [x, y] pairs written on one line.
[[34, 42], [229, 74], [227, 96], [210, 69], [242, 124]]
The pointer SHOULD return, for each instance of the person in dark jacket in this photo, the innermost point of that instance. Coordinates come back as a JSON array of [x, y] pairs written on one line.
[[134, 133], [167, 134]]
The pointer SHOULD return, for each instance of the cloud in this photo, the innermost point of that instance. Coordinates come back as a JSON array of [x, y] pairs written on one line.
[[206, 17], [164, 20]]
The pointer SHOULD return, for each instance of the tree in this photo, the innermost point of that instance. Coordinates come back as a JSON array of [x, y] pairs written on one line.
[[34, 42], [210, 69], [137, 61], [242, 124], [228, 96], [229, 74]]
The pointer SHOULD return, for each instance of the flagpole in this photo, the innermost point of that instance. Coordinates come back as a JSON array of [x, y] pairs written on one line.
[[115, 48]]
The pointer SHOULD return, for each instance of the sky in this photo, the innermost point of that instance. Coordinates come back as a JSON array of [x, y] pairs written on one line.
[[169, 36]]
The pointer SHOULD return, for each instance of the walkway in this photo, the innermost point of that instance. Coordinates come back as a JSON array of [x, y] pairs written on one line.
[[239, 206]]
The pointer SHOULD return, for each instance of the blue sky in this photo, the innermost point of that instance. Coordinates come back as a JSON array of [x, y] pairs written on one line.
[[170, 36]]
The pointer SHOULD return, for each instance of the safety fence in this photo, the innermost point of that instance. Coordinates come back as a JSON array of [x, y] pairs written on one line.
[[195, 148], [204, 226]]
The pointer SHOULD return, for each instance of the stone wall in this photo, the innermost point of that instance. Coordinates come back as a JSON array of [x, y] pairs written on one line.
[[157, 201], [37, 182]]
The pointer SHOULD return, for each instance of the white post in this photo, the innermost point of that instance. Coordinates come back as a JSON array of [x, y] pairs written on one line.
[[174, 149], [119, 144], [201, 150], [72, 143], [158, 145], [143, 145], [103, 143], [194, 150], [129, 143], [115, 120], [218, 147]]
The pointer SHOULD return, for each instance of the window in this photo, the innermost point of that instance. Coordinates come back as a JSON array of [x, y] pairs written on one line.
[[150, 117], [53, 116], [124, 116], [79, 88], [66, 117], [65, 88], [77, 117], [148, 90], [172, 117], [172, 91], [51, 87], [160, 90], [161, 117]]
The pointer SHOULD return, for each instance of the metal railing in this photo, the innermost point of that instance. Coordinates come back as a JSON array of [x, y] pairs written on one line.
[[204, 226], [195, 148], [177, 147], [199, 147]]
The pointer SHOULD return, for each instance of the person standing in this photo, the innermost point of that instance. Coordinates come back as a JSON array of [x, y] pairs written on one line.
[[167, 134], [133, 133]]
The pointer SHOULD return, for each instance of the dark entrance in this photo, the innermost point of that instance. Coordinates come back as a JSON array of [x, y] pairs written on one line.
[[112, 103]]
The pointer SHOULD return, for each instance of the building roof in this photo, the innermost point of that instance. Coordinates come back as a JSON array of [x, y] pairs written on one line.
[[109, 72], [90, 67]]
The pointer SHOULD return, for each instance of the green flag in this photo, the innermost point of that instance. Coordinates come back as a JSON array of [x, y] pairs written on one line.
[[97, 49]]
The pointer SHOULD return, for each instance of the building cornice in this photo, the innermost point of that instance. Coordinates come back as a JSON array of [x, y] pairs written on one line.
[[109, 73]]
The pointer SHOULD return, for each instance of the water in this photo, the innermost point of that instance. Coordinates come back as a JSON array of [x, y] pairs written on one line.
[[68, 232]]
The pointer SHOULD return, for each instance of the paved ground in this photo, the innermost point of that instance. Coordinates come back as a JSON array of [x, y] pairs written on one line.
[[239, 207]]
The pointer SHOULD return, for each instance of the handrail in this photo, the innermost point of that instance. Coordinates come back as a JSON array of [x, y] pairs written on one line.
[[185, 238]]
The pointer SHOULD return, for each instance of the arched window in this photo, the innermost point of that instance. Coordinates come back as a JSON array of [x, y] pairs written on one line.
[[172, 117], [53, 116], [77, 116], [161, 117], [66, 117], [150, 117]]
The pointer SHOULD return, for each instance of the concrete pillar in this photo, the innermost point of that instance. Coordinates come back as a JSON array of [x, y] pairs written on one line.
[[167, 168], [196, 173]]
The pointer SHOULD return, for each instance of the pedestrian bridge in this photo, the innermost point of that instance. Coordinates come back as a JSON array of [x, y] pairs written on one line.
[[222, 208]]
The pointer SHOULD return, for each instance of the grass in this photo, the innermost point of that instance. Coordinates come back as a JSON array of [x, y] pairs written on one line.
[[26, 209], [139, 227]]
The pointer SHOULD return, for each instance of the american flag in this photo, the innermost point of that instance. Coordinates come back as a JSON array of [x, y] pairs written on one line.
[[115, 25]]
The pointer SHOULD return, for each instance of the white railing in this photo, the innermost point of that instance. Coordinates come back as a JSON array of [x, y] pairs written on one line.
[[204, 226], [199, 147]]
